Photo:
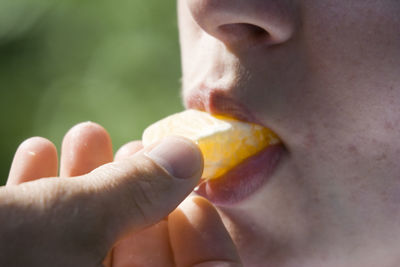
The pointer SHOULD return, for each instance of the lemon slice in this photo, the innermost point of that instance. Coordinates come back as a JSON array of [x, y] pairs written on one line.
[[224, 141]]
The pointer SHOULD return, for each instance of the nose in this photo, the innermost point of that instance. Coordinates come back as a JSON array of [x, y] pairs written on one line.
[[243, 23]]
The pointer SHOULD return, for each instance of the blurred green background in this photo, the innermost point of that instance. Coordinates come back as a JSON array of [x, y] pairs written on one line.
[[62, 62]]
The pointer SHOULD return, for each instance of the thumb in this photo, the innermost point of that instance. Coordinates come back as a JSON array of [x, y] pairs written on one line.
[[143, 189], [84, 216]]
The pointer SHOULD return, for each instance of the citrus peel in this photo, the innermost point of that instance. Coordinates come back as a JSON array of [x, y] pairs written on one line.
[[224, 142]]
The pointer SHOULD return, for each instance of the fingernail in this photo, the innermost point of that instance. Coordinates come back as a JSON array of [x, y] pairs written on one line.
[[178, 156]]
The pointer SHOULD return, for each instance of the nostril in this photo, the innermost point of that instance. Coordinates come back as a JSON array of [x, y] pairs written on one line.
[[244, 24], [242, 29], [234, 33]]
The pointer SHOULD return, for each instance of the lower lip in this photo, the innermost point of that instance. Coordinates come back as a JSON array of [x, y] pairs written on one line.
[[243, 180]]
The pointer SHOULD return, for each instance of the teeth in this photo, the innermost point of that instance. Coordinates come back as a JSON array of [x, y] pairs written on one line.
[[224, 142]]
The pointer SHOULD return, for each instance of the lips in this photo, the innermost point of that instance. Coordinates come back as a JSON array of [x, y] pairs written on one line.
[[250, 175], [244, 179]]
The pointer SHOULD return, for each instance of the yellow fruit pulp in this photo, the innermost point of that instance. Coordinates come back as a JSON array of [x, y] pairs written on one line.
[[224, 142]]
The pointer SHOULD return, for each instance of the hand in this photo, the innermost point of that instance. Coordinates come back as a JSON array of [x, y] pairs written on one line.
[[193, 235], [75, 222]]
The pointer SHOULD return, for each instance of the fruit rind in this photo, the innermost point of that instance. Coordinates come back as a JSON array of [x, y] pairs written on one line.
[[224, 141]]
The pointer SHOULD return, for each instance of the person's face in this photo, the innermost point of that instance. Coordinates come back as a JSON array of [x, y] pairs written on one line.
[[325, 76]]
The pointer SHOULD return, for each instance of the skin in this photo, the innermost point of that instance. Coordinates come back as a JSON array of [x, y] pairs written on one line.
[[324, 75], [104, 213]]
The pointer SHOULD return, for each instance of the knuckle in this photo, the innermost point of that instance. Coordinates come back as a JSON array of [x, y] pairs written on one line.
[[143, 190], [130, 193], [144, 193]]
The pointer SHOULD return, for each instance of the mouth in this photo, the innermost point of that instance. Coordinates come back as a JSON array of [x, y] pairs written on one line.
[[246, 178]]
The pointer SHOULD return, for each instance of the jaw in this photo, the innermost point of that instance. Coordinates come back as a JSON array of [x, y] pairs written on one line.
[[306, 216]]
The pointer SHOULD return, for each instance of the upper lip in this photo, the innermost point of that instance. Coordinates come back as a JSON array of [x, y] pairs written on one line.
[[219, 102]]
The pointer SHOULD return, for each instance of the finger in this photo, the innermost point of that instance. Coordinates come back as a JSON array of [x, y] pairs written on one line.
[[85, 147], [198, 236], [141, 190], [112, 201], [150, 247], [35, 158], [128, 150]]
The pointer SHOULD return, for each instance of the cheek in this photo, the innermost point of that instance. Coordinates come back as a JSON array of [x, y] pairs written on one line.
[[343, 117], [355, 165]]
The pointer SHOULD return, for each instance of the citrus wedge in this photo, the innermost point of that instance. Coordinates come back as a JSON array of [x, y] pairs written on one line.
[[224, 142]]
